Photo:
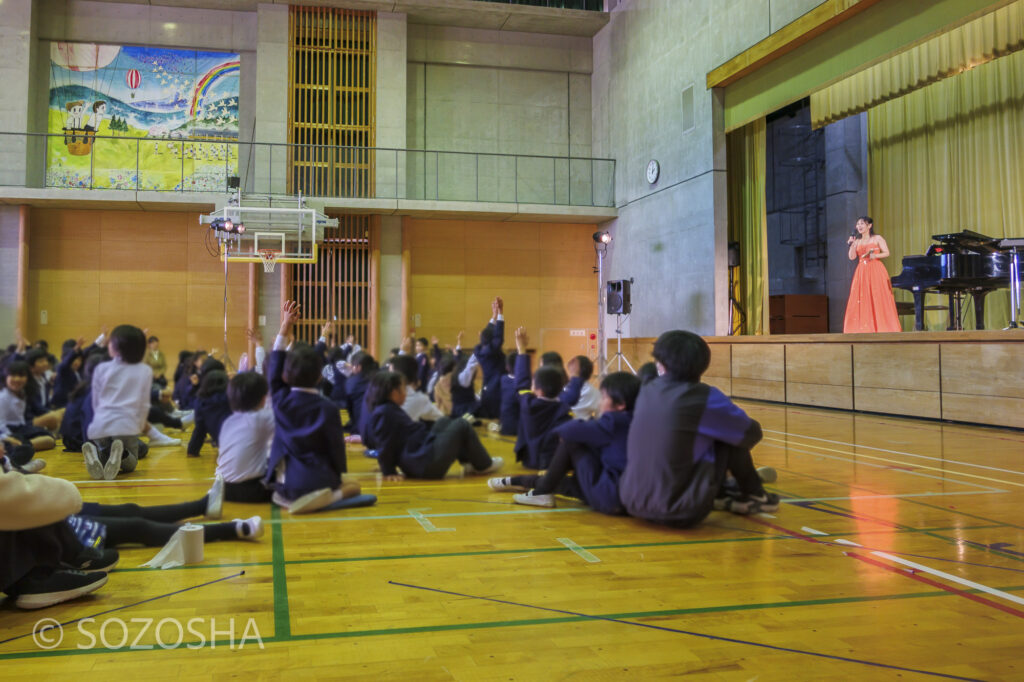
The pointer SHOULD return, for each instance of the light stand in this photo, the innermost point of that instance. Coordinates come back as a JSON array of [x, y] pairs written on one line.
[[618, 346], [601, 241]]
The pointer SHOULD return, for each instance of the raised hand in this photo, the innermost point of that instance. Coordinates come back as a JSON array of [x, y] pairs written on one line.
[[350, 339], [494, 308], [573, 368], [458, 338], [255, 336], [80, 344], [290, 314], [522, 340], [501, 305], [407, 344], [433, 341], [325, 331]]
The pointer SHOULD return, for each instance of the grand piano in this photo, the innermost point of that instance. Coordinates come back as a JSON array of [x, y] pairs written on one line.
[[957, 264]]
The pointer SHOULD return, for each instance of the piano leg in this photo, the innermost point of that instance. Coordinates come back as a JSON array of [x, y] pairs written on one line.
[[954, 313], [979, 308], [918, 310]]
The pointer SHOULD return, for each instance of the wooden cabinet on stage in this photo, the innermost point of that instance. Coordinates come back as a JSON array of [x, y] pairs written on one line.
[[798, 314]]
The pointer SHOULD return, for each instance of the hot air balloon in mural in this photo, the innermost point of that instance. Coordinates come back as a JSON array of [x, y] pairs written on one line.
[[133, 80], [83, 65]]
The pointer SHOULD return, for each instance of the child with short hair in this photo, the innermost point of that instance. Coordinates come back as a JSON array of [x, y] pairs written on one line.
[[120, 401], [14, 409], [307, 458], [540, 410], [491, 359], [417, 404], [422, 364], [590, 457], [245, 439], [211, 409], [685, 437], [420, 450], [363, 368], [588, 405]]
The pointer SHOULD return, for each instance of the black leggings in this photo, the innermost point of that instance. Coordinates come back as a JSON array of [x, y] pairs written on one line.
[[152, 526], [455, 439], [556, 479], [158, 416], [252, 490]]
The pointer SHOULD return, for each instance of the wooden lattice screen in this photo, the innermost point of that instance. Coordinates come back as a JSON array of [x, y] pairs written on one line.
[[332, 67]]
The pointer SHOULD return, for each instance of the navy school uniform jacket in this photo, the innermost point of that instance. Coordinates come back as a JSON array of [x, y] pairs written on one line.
[[77, 417], [400, 441], [463, 398], [510, 391], [339, 396], [675, 448], [66, 380], [210, 413], [538, 417], [492, 362], [184, 392], [422, 371], [355, 395], [308, 439], [606, 436]]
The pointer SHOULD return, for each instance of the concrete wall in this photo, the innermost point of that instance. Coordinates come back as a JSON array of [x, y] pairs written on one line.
[[16, 69], [473, 90], [9, 225], [670, 235]]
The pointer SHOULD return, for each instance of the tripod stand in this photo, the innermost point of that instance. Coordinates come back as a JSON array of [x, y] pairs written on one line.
[[618, 347]]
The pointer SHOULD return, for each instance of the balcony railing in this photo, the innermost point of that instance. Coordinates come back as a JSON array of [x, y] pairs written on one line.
[[592, 5], [74, 161]]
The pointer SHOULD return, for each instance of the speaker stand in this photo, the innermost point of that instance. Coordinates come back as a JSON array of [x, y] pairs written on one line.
[[619, 357]]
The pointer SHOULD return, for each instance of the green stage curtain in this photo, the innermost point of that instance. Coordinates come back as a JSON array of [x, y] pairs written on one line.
[[950, 157], [995, 34], [748, 223]]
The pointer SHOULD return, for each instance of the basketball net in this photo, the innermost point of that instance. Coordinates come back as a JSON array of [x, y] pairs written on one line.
[[269, 258]]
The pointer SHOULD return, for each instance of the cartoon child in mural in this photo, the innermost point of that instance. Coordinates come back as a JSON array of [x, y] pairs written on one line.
[[99, 112], [74, 118]]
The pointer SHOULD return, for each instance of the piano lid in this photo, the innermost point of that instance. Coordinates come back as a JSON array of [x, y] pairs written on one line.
[[965, 241]]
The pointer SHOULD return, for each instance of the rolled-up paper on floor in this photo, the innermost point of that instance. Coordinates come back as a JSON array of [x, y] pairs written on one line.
[[184, 547]]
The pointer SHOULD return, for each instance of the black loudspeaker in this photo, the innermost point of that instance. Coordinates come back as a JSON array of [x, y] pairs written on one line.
[[618, 297], [734, 254], [234, 182]]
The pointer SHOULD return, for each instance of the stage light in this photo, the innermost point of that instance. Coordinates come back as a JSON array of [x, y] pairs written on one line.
[[240, 229], [602, 237], [229, 226]]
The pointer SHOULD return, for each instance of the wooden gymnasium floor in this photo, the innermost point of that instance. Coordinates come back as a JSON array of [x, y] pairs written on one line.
[[444, 580]]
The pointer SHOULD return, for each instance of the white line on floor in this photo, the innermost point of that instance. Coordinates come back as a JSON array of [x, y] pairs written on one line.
[[945, 479], [896, 452], [579, 551]]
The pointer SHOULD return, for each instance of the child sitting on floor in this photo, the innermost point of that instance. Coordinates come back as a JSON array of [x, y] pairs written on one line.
[[120, 402], [245, 439], [307, 458], [685, 437], [211, 409], [541, 410], [593, 450], [420, 450]]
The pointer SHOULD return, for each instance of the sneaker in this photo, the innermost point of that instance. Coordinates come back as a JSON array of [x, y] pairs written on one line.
[[93, 559], [534, 500], [496, 463], [92, 461], [113, 466], [215, 499], [372, 454], [310, 502], [249, 529], [59, 586], [33, 466], [187, 419], [505, 485], [768, 474], [751, 504]]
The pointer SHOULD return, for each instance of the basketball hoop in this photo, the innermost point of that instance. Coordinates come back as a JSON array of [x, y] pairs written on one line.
[[269, 258]]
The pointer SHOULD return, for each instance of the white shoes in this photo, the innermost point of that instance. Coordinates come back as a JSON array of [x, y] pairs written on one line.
[[113, 466], [504, 485], [92, 461], [310, 502], [249, 529], [33, 466], [534, 500], [215, 499], [159, 440]]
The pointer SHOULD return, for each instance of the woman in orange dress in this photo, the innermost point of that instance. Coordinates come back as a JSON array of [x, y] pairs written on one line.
[[871, 306]]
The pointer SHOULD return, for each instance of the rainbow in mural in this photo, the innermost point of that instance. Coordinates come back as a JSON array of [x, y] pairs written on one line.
[[183, 103]]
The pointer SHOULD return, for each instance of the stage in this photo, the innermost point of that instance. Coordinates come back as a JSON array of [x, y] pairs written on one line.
[[972, 376]]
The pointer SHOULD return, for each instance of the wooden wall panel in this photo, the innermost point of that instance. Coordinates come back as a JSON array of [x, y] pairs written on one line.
[[902, 366], [984, 409], [90, 268], [983, 382], [544, 273], [926, 404], [820, 374], [759, 371]]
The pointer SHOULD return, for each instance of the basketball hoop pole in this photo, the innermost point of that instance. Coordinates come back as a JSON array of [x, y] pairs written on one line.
[[227, 355]]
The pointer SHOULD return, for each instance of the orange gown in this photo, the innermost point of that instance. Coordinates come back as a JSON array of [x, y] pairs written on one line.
[[871, 306]]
